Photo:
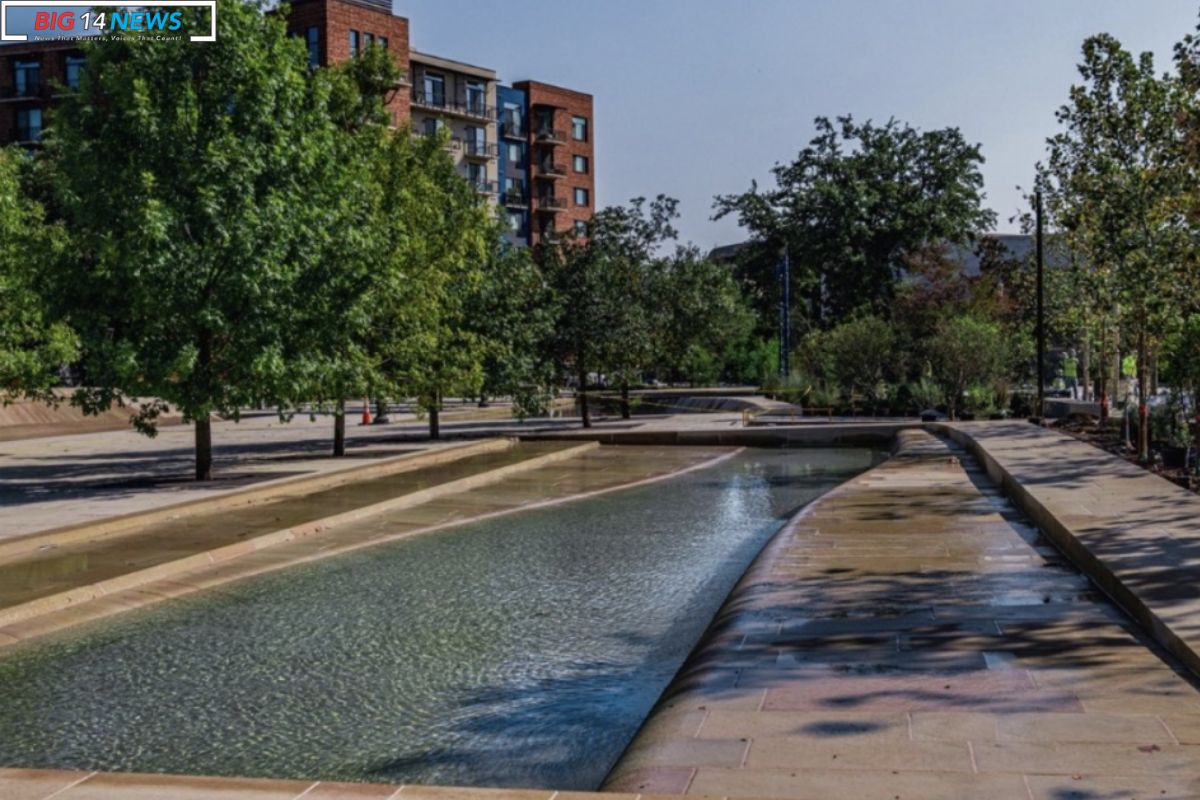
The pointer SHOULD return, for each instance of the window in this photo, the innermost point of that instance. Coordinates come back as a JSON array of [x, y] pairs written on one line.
[[73, 67], [368, 41], [582, 197], [477, 174], [515, 156], [580, 163], [545, 120], [435, 89], [312, 37], [580, 228], [579, 129], [28, 75], [383, 42], [516, 223], [476, 97], [353, 44], [511, 120], [29, 124], [432, 125], [476, 141]]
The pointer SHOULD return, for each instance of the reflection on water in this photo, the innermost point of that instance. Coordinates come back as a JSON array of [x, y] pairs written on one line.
[[524, 651]]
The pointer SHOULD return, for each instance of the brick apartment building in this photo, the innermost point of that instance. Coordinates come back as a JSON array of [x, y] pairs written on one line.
[[527, 147]]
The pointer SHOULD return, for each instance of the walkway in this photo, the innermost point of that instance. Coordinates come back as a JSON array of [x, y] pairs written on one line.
[[1136, 534], [910, 636]]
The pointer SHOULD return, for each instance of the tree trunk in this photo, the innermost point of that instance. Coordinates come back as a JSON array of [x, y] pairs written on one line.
[[1085, 369], [339, 429], [1152, 367], [1143, 408], [626, 411], [583, 397], [1104, 403], [435, 419], [204, 448]]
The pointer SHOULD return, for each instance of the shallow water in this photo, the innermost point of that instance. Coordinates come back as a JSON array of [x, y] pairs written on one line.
[[523, 651]]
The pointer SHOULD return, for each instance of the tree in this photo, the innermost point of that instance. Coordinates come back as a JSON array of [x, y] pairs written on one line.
[[699, 316], [33, 344], [1118, 165], [181, 171], [965, 352], [854, 203], [863, 357], [601, 284]]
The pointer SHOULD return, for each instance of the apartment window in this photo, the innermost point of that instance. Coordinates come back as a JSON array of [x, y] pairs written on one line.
[[383, 42], [435, 89], [353, 44], [477, 174], [27, 78], [312, 37], [580, 164], [582, 197], [476, 97], [516, 223], [545, 120], [29, 124], [580, 228], [513, 186], [579, 129], [511, 120], [368, 40], [432, 125], [73, 67], [476, 141], [515, 155]]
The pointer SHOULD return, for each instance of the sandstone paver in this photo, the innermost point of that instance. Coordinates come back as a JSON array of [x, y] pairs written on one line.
[[911, 635]]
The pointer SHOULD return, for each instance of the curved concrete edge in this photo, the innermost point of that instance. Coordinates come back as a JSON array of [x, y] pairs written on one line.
[[627, 772], [131, 580], [44, 784], [857, 434], [258, 493], [1068, 540], [169, 586]]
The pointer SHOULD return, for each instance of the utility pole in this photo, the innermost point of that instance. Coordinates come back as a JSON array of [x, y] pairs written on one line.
[[1041, 313], [785, 302]]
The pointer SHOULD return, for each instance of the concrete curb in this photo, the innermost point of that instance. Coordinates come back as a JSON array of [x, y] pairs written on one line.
[[159, 589], [131, 580], [1069, 542], [259, 493]]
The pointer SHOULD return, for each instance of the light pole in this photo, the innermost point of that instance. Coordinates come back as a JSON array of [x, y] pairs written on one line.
[[785, 325], [1041, 313]]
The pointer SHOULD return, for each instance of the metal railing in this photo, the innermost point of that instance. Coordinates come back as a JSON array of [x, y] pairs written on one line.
[[440, 102], [550, 136], [513, 129], [515, 197], [484, 187], [551, 203], [25, 134], [481, 149], [31, 89], [550, 169]]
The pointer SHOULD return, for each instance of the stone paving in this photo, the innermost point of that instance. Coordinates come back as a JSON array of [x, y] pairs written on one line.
[[911, 636], [1136, 534]]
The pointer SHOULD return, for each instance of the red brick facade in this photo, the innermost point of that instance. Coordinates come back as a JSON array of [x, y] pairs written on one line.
[[334, 21], [51, 57], [556, 108]]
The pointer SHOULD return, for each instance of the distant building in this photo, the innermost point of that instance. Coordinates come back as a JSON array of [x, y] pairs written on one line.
[[528, 147]]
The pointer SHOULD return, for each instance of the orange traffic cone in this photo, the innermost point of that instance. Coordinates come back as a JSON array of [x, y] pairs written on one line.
[[366, 418]]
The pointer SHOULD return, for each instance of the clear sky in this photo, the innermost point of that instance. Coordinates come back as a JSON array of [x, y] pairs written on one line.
[[697, 97]]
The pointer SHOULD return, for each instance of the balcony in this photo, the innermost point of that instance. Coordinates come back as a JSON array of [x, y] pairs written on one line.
[[25, 134], [484, 150], [550, 136], [483, 187], [515, 197], [30, 91], [550, 171], [551, 204], [513, 129], [444, 105]]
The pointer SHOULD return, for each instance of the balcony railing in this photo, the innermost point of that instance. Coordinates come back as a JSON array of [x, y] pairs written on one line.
[[25, 134], [483, 187], [549, 136], [515, 197], [475, 149], [550, 169], [31, 90], [513, 128], [464, 108], [551, 204]]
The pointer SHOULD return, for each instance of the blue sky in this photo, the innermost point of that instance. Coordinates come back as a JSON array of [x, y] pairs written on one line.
[[697, 97]]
